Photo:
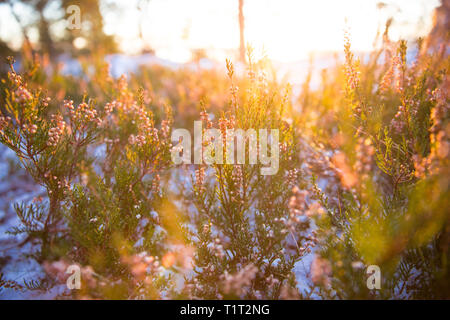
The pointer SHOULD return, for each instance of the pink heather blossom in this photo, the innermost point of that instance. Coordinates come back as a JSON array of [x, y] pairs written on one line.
[[320, 271]]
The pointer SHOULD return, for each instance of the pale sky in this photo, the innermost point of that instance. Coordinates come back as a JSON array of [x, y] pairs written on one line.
[[287, 30]]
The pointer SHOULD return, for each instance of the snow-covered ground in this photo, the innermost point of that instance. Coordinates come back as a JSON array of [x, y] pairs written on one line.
[[15, 187]]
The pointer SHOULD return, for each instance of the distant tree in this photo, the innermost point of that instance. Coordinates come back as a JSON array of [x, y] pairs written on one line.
[[48, 12], [241, 31], [98, 41]]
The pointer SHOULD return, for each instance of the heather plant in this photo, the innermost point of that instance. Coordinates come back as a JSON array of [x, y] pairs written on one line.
[[246, 226], [362, 179], [96, 207], [389, 154]]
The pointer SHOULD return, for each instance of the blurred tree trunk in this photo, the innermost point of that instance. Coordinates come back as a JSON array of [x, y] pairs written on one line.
[[241, 31], [44, 29]]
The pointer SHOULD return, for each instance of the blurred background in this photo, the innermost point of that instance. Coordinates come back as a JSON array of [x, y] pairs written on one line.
[[183, 31]]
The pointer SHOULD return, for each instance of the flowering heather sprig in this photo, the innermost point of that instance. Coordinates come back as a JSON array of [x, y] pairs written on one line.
[[439, 135], [30, 129], [262, 79], [421, 166], [321, 271], [223, 124], [251, 74], [200, 179], [46, 101], [165, 129], [364, 156], [122, 84], [147, 133], [388, 77], [83, 113], [239, 282], [238, 180], [351, 68], [68, 104], [315, 209], [15, 78], [22, 95], [63, 186], [204, 116], [4, 123], [297, 202], [142, 264], [233, 88], [138, 140], [55, 133], [272, 281], [226, 123], [156, 184], [398, 122], [110, 106], [217, 249], [292, 176], [401, 64], [289, 293], [297, 208]]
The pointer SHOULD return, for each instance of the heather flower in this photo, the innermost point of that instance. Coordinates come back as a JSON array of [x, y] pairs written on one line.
[[320, 271], [156, 184], [315, 210], [297, 202], [200, 178], [122, 84], [68, 104], [217, 248], [30, 129], [238, 282], [351, 68], [55, 133], [4, 122], [238, 177], [15, 78], [364, 154], [142, 265], [388, 77], [109, 107], [22, 95], [83, 113], [46, 101], [289, 293], [292, 176]]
